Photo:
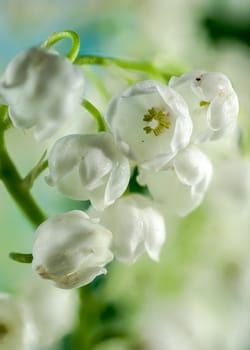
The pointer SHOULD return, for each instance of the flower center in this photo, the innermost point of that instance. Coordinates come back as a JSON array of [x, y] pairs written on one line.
[[3, 331], [158, 121]]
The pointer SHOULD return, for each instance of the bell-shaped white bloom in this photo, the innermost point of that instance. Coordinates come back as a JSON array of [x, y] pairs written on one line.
[[42, 89], [71, 249], [212, 101], [15, 328], [53, 311], [137, 226], [181, 188], [150, 122], [89, 167]]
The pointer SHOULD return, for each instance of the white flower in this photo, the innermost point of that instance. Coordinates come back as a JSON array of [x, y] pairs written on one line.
[[137, 226], [181, 188], [89, 167], [53, 311], [15, 331], [71, 250], [213, 103], [42, 89], [150, 122]]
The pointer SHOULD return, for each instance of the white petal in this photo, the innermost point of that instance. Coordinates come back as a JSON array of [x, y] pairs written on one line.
[[81, 278], [208, 85], [137, 227], [64, 156], [190, 165], [125, 222], [154, 231], [117, 182], [222, 111], [93, 168]]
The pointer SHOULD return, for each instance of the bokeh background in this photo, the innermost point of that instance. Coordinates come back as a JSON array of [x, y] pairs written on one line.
[[198, 296]]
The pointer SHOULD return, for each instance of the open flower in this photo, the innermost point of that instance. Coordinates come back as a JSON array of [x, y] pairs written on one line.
[[150, 122], [181, 188], [16, 331], [212, 101], [71, 250], [137, 226], [42, 89], [89, 167]]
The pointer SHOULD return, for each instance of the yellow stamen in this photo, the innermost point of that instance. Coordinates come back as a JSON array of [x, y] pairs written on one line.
[[161, 117], [204, 103]]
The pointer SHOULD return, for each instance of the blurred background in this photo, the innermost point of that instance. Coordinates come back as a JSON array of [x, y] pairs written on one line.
[[198, 296]]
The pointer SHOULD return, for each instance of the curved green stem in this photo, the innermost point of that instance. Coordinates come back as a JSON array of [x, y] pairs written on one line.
[[14, 185], [66, 34], [30, 178], [95, 113], [126, 64]]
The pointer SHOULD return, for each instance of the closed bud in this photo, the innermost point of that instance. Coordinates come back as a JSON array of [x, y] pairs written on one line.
[[42, 89], [71, 250]]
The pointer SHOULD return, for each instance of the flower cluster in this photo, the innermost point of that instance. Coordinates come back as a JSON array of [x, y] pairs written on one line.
[[154, 127]]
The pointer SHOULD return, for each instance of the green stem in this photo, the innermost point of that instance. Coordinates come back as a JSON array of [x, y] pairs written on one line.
[[81, 338], [14, 185], [95, 113], [106, 61], [30, 178], [66, 34]]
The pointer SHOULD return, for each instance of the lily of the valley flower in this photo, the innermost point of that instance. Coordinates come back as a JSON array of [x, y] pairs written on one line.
[[15, 326], [71, 250], [53, 311], [212, 101], [150, 122], [181, 188], [42, 89], [137, 227], [89, 167]]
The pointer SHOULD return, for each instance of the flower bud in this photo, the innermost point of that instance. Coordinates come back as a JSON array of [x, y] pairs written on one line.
[[137, 226], [182, 187], [212, 102], [71, 250], [150, 122], [89, 167], [42, 89]]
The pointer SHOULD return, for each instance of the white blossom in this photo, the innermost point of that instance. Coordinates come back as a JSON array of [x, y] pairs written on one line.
[[180, 188], [71, 249], [15, 328], [150, 122], [42, 89], [53, 311], [212, 101], [89, 167], [137, 227]]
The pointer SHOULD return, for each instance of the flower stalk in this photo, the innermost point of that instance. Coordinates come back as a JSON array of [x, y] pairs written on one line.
[[66, 34], [14, 185]]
